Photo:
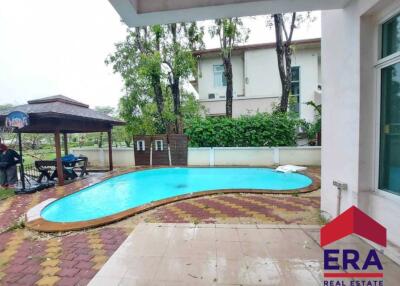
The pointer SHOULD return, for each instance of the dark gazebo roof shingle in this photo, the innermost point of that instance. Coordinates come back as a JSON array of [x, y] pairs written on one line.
[[63, 108]]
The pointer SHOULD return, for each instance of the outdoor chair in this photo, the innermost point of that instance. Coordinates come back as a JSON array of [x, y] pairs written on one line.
[[48, 169]]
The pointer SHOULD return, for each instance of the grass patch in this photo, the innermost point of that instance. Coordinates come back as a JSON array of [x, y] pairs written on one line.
[[6, 193], [19, 224]]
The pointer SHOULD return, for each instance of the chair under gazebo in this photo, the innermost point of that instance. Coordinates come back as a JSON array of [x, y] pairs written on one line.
[[59, 115]]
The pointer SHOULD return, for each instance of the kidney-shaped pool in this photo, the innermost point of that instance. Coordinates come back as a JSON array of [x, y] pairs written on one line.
[[131, 190]]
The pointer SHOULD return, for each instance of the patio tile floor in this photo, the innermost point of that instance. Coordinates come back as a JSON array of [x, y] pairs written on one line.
[[30, 258], [228, 255]]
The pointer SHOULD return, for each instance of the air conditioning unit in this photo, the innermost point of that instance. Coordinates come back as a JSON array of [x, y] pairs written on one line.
[[211, 96]]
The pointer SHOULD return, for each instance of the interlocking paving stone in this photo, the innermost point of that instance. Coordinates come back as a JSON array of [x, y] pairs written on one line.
[[29, 258]]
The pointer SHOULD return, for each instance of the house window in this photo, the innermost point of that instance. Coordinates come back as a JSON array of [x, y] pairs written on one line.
[[389, 149], [211, 96], [159, 145], [295, 90], [140, 145], [219, 76], [390, 36]]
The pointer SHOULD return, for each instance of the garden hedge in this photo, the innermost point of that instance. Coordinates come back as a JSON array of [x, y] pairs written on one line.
[[263, 129]]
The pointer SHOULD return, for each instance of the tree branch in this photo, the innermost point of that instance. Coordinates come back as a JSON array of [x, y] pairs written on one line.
[[292, 26]]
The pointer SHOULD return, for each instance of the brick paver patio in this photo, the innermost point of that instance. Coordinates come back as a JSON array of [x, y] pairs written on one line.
[[30, 258]]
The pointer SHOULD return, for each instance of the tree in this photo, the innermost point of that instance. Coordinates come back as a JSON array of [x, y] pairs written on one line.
[[4, 107], [153, 61], [121, 135], [230, 32], [180, 41], [106, 110], [284, 25]]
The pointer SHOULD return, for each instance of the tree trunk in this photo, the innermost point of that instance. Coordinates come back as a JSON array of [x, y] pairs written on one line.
[[174, 83], [157, 87], [287, 83], [284, 54], [229, 85], [159, 98], [176, 95], [100, 143]]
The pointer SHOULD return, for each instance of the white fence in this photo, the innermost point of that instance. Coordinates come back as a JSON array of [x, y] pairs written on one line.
[[219, 156]]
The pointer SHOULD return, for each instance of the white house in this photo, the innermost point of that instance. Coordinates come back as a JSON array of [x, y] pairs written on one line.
[[256, 82], [360, 62]]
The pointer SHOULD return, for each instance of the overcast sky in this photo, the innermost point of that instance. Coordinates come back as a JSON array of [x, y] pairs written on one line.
[[50, 47]]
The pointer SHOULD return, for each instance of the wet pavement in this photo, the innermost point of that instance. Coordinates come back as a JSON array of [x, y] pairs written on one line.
[[225, 254]]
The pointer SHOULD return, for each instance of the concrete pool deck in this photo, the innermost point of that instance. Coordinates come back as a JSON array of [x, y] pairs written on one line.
[[224, 254]]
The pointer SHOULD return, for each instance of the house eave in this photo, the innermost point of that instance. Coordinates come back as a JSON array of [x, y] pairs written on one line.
[[143, 12]]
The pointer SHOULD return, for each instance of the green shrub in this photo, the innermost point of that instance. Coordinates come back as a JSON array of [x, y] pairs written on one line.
[[263, 129]]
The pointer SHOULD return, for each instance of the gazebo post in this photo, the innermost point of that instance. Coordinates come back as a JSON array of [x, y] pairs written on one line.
[[110, 158], [65, 139], [60, 171], [22, 162]]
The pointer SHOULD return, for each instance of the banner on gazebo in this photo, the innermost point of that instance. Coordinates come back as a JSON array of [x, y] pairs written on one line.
[[17, 119]]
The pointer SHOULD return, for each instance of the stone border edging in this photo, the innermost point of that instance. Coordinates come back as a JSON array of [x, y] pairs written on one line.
[[40, 224]]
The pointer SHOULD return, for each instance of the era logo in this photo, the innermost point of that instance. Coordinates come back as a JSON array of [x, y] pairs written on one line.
[[350, 257], [337, 262]]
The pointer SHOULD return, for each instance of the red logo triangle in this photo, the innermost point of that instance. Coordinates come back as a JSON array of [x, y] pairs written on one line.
[[354, 221]]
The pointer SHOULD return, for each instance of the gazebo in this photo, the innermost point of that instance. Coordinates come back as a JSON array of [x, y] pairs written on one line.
[[61, 115]]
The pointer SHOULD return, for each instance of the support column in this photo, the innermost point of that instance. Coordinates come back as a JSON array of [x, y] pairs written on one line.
[[110, 158], [65, 139], [60, 171], [22, 174]]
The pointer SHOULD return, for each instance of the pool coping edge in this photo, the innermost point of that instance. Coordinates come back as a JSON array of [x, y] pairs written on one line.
[[38, 223]]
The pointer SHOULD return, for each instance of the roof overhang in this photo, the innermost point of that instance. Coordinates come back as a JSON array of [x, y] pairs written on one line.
[[300, 44], [145, 12]]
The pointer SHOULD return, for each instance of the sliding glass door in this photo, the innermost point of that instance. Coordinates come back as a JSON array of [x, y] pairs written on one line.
[[389, 151], [389, 178]]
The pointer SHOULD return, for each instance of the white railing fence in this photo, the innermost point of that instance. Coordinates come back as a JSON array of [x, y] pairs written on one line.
[[218, 156]]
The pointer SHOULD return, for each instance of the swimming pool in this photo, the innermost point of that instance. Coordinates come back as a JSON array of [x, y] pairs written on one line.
[[135, 189]]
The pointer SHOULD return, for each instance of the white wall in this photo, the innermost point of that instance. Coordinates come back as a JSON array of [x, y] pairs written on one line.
[[262, 74], [350, 96], [307, 60], [219, 156], [98, 157], [258, 79], [241, 106], [206, 77]]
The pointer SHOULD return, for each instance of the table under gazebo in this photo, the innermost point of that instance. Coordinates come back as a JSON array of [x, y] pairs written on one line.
[[58, 115]]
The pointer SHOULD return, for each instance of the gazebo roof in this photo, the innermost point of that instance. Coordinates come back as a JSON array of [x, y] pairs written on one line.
[[60, 113]]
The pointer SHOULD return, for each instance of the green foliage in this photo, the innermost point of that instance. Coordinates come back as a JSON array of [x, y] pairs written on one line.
[[106, 110], [230, 32], [6, 193], [121, 136], [144, 119], [312, 129], [18, 224], [263, 129], [4, 107], [153, 62]]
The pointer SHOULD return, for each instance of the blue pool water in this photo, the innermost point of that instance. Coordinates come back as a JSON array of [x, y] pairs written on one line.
[[137, 188]]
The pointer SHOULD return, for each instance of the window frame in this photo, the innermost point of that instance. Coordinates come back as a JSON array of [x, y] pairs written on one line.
[[299, 82], [383, 21], [138, 142], [156, 145], [223, 78], [381, 63]]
